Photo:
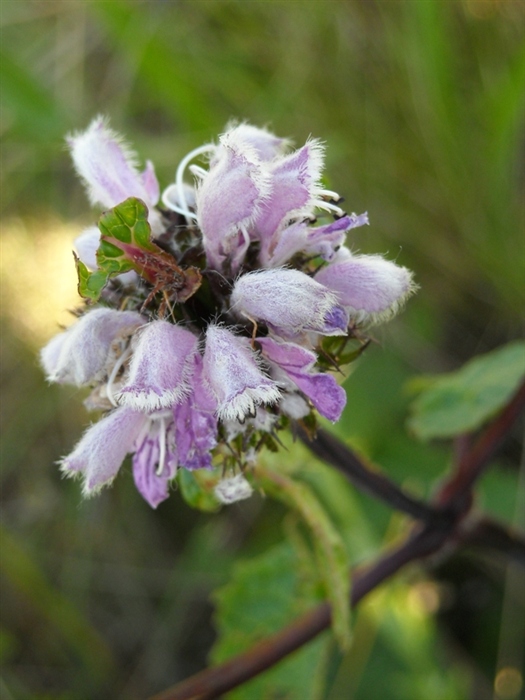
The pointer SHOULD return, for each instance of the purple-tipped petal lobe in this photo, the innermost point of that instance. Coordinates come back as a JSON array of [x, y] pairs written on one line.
[[233, 374], [160, 368]]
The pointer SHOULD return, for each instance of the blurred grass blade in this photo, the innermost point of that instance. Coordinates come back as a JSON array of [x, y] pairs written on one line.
[[27, 578], [133, 27], [30, 108]]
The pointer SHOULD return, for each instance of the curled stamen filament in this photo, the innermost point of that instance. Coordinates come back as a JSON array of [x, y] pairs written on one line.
[[330, 194], [111, 379], [197, 170], [327, 206], [166, 200], [162, 446], [179, 176]]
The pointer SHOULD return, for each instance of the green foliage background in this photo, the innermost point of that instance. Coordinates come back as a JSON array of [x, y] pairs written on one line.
[[422, 108]]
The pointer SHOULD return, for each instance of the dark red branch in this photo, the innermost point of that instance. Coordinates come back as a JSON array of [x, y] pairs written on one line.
[[458, 488], [332, 451]]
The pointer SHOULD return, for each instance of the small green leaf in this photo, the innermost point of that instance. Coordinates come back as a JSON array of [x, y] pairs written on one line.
[[125, 244], [197, 489], [90, 284], [265, 594], [331, 555], [462, 401]]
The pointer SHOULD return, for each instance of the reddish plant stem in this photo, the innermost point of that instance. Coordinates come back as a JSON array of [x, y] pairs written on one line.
[[453, 502], [457, 490], [332, 451]]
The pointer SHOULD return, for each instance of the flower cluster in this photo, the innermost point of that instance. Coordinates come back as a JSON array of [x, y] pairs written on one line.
[[212, 319]]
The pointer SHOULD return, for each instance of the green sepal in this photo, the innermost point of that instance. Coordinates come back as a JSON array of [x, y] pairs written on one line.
[[196, 488]]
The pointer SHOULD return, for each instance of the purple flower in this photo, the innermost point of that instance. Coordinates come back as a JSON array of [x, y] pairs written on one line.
[[196, 423], [160, 368], [233, 373], [300, 237], [297, 364], [266, 144], [101, 451], [205, 379], [86, 351], [289, 302], [155, 458], [370, 288], [229, 199], [295, 188]]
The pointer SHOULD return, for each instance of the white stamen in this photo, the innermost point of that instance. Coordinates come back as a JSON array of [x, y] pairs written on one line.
[[116, 368], [330, 194], [166, 200], [162, 446], [179, 176], [197, 170], [327, 206]]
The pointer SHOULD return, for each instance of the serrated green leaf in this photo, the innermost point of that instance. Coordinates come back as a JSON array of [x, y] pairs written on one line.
[[265, 594], [90, 284], [197, 489], [462, 401], [125, 244], [125, 239], [331, 555]]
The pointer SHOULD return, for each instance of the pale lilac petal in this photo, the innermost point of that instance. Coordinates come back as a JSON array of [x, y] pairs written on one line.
[[324, 392], [231, 369], [301, 237], [295, 185], [196, 423], [160, 368], [229, 198], [298, 362], [153, 486], [371, 288], [150, 183], [87, 345], [101, 451], [289, 302], [108, 167], [326, 240], [50, 355]]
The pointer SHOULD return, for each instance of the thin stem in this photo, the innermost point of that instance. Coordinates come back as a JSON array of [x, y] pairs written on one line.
[[331, 450], [473, 461]]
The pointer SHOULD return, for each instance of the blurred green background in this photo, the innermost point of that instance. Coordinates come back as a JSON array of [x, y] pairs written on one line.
[[421, 104]]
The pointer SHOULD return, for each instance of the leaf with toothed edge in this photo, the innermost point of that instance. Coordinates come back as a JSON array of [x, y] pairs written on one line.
[[330, 551], [125, 244]]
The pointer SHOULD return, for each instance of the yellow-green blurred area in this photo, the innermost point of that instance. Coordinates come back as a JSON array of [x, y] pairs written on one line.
[[421, 104]]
